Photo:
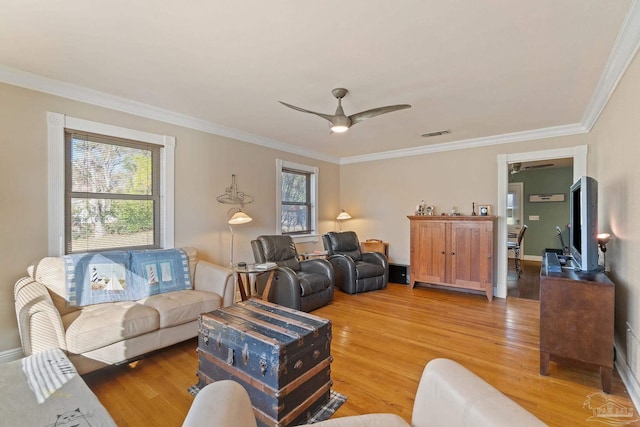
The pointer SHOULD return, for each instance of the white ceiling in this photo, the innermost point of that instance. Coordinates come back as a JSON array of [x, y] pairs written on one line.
[[482, 69]]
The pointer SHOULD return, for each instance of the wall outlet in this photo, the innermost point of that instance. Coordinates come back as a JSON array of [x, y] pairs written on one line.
[[534, 217]]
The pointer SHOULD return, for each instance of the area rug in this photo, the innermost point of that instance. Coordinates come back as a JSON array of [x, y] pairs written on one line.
[[324, 412]]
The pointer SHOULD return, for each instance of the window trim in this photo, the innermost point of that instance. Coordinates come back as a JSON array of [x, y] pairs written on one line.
[[313, 189], [56, 125]]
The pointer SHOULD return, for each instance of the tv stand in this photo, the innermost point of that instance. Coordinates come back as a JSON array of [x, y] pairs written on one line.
[[576, 321]]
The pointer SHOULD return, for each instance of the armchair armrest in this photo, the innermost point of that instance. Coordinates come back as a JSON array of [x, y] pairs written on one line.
[[39, 322], [318, 266], [214, 278], [380, 259], [344, 270], [451, 395], [375, 258], [222, 404], [285, 288]]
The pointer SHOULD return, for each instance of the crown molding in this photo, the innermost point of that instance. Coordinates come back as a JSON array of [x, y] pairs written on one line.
[[506, 138], [625, 47], [82, 94], [623, 51]]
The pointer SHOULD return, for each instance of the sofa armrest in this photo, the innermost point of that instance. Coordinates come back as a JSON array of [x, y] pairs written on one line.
[[451, 395], [221, 404], [39, 322], [217, 279]]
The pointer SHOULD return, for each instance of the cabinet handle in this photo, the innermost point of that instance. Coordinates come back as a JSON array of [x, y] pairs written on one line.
[[442, 252], [453, 253]]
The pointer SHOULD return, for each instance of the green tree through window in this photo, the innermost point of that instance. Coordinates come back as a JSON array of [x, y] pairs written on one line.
[[112, 193]]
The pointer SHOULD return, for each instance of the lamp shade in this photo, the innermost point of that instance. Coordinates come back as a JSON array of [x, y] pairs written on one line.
[[603, 238], [343, 215], [239, 218]]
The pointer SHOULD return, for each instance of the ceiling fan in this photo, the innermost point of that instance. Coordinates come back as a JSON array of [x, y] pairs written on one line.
[[514, 168], [341, 122]]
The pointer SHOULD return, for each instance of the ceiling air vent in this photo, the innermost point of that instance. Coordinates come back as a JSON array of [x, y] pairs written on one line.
[[438, 133]]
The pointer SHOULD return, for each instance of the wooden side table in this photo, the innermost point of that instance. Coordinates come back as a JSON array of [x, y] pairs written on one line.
[[245, 289], [375, 245]]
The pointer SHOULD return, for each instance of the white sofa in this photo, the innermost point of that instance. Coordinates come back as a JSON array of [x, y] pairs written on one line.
[[449, 395], [104, 334]]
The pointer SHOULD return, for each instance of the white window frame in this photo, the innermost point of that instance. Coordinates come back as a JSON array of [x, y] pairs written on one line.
[[314, 177], [56, 125]]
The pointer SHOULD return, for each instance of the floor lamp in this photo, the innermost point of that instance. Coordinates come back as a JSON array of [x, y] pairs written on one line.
[[235, 216], [341, 217]]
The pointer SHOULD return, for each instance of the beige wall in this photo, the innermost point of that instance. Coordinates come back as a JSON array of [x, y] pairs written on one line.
[[204, 164], [379, 195], [616, 138]]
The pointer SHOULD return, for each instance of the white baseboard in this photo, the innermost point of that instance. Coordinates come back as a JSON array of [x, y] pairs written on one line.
[[630, 382], [11, 355]]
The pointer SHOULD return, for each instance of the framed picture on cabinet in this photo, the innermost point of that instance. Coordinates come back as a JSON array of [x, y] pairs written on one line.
[[484, 210]]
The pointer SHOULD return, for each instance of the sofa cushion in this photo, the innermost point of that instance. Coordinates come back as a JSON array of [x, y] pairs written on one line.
[[180, 307], [99, 325]]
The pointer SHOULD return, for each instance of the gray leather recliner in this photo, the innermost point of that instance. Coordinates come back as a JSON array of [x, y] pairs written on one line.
[[301, 285], [355, 271]]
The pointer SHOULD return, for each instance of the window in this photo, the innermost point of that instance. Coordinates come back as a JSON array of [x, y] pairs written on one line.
[[297, 200], [112, 193], [109, 187]]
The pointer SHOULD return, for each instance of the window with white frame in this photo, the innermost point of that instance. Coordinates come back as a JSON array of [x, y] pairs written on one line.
[[109, 187], [297, 192], [112, 193]]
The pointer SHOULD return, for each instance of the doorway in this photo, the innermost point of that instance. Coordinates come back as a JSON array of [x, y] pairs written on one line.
[[514, 211], [579, 155]]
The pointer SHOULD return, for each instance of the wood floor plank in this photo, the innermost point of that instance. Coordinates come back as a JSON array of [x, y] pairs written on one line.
[[381, 342]]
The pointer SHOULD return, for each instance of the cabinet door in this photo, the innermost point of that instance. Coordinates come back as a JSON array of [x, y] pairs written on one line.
[[428, 251], [471, 246]]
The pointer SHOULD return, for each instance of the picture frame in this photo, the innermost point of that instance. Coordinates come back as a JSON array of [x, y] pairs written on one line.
[[484, 210]]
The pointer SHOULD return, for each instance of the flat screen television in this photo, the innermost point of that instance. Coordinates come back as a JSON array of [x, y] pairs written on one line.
[[583, 231]]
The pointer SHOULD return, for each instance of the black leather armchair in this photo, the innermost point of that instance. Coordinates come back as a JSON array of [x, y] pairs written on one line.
[[355, 271], [301, 285]]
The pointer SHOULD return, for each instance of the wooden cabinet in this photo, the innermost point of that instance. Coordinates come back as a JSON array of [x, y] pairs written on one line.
[[576, 321], [453, 251]]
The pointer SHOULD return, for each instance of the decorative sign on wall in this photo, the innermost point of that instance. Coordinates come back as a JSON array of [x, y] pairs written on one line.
[[536, 198]]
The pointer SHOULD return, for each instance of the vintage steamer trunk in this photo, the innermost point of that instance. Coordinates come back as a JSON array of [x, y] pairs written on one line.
[[281, 356]]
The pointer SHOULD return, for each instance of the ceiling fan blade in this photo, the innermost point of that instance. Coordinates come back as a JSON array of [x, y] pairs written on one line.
[[364, 115], [324, 116]]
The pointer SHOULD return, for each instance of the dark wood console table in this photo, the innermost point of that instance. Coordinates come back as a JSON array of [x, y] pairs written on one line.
[[576, 321]]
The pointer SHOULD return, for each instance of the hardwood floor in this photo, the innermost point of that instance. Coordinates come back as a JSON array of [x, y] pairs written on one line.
[[528, 284], [381, 342]]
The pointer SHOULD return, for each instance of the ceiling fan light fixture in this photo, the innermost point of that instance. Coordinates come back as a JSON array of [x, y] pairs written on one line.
[[339, 128], [340, 122]]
